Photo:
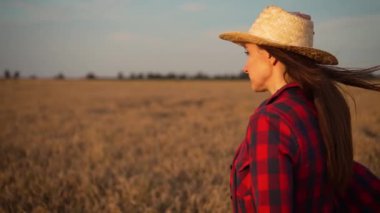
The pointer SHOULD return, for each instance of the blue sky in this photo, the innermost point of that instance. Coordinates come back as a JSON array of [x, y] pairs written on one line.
[[43, 38]]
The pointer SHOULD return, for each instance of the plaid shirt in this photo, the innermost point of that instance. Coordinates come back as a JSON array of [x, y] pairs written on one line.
[[280, 165]]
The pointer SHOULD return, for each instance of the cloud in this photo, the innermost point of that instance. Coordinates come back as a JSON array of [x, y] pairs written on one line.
[[137, 40], [121, 37], [193, 7], [62, 11]]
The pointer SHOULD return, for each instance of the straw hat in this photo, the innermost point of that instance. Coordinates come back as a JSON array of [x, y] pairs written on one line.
[[292, 31]]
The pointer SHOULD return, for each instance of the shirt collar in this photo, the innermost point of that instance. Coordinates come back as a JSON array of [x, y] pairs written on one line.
[[281, 90]]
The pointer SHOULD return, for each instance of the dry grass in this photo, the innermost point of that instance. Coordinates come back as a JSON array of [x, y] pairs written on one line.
[[134, 146]]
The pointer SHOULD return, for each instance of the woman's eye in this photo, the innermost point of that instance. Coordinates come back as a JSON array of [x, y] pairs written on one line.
[[246, 52]]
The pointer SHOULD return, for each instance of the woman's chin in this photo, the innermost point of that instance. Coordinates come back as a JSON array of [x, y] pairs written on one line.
[[257, 89]]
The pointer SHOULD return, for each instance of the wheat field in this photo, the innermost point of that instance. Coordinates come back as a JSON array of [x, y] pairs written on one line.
[[135, 146]]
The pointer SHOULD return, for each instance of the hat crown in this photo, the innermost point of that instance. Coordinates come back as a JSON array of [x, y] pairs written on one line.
[[283, 27], [290, 31]]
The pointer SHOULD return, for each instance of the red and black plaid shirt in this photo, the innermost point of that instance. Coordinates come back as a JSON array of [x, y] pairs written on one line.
[[281, 166]]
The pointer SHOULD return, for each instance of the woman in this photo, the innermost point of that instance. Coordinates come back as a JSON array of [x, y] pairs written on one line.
[[297, 155]]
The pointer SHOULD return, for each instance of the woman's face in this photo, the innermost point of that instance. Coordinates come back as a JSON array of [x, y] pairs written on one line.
[[259, 67]]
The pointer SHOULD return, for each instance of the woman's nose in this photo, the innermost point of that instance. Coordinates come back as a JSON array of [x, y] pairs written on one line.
[[245, 69]]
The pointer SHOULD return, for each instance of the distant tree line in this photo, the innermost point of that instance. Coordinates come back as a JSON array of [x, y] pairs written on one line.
[[11, 75], [197, 76], [151, 76], [168, 76], [140, 76]]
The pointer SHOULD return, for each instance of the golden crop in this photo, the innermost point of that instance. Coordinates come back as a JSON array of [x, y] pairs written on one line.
[[135, 146]]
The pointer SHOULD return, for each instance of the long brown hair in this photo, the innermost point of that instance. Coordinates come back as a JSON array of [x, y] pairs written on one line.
[[321, 82]]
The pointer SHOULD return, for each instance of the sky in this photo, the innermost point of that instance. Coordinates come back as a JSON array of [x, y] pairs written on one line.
[[75, 37]]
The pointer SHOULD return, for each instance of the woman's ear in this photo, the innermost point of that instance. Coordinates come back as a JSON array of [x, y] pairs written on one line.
[[275, 61], [272, 59]]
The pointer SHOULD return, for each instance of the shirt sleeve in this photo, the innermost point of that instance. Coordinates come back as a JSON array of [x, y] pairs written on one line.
[[272, 148], [362, 193]]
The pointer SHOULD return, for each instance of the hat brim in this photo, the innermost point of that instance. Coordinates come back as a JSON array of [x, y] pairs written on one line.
[[320, 56]]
